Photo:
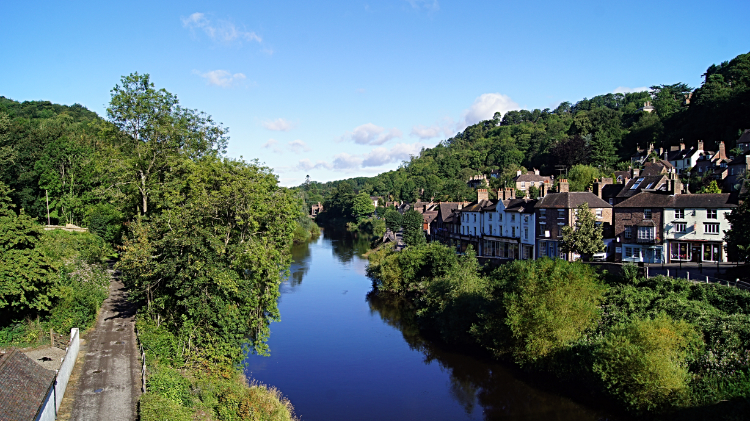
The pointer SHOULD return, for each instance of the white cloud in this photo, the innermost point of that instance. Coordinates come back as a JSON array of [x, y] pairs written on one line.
[[218, 30], [278, 125], [625, 90], [221, 78], [344, 161], [271, 144], [430, 5], [298, 146], [444, 127], [307, 165], [484, 108], [370, 134], [399, 152]]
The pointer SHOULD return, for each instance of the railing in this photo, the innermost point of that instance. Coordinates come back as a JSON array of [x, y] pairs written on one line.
[[142, 353]]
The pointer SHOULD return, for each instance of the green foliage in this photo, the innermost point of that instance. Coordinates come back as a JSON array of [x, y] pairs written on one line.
[[413, 232], [362, 206], [644, 362], [67, 246], [581, 177], [550, 303], [586, 237], [392, 220], [712, 187], [738, 237]]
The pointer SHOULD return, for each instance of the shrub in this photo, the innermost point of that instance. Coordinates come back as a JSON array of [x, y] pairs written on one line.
[[643, 362]]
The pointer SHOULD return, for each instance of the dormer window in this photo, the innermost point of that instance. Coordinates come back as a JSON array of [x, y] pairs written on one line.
[[647, 214], [637, 183]]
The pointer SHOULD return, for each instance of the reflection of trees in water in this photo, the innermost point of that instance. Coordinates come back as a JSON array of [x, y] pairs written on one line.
[[345, 244], [300, 263], [474, 381]]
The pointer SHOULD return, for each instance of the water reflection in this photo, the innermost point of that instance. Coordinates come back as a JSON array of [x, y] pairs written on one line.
[[300, 264], [474, 381], [345, 245]]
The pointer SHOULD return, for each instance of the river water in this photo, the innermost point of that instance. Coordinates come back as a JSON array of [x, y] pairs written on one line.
[[338, 355]]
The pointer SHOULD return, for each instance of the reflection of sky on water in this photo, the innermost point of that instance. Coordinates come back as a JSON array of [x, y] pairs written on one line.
[[337, 355]]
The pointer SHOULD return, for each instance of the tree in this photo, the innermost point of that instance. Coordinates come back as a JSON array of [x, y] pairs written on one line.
[[581, 177], [413, 232], [154, 128], [28, 278], [534, 192], [362, 206], [586, 237], [392, 219], [712, 187]]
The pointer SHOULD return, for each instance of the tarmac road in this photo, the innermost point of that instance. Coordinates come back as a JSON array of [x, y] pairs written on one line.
[[110, 380]]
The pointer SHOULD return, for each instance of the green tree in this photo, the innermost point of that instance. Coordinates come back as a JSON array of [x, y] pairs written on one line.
[[644, 362], [581, 177], [413, 232], [738, 237], [362, 206], [586, 237], [154, 129], [392, 219], [712, 187], [28, 278]]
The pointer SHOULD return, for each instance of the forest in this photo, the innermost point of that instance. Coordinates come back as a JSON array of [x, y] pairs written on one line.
[[596, 136]]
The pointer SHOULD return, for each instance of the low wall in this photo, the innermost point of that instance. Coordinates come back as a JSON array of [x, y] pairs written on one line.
[[55, 395]]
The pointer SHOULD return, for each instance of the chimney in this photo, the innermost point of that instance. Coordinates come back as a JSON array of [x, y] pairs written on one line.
[[661, 152], [635, 172], [675, 185], [544, 188], [682, 146], [482, 195], [509, 193], [599, 186], [518, 173], [722, 150], [674, 148], [563, 186], [536, 171], [700, 145]]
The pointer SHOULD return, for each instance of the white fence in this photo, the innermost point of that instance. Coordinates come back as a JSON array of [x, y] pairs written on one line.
[[56, 393]]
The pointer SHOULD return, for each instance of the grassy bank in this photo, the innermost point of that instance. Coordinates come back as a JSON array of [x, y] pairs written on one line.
[[76, 284], [184, 384], [658, 346]]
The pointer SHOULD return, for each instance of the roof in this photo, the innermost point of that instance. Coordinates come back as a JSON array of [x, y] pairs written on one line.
[[743, 160], [445, 210], [619, 175], [611, 190], [531, 176], [570, 200], [665, 200], [23, 386], [745, 138], [681, 154], [648, 182], [477, 206], [519, 205], [429, 216], [655, 168]]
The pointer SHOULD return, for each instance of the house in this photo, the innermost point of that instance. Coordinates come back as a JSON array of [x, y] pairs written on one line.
[[427, 218], [375, 200], [639, 183], [478, 181], [647, 107], [471, 221], [553, 211], [25, 386], [738, 169], [446, 222], [316, 209], [656, 227], [684, 158], [531, 179], [508, 227], [744, 141]]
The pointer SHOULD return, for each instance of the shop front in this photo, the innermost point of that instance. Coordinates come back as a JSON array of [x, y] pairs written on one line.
[[695, 251]]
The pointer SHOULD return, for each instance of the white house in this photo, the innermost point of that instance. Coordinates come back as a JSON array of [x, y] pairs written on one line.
[[694, 227]]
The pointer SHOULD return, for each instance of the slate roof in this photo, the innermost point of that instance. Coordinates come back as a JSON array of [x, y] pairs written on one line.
[[519, 205], [745, 138], [428, 216], [743, 160], [531, 176], [570, 200], [692, 201], [445, 210], [621, 175], [655, 168], [681, 154], [23, 386], [611, 191], [477, 206], [656, 182]]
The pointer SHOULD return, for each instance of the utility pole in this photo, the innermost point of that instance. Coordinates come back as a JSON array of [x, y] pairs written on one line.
[[46, 194]]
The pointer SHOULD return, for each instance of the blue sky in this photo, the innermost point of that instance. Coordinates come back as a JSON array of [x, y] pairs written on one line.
[[337, 89]]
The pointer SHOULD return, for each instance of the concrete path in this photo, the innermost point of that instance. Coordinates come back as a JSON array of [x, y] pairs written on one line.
[[109, 383]]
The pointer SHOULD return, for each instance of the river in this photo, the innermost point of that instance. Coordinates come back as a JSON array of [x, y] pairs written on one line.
[[339, 355]]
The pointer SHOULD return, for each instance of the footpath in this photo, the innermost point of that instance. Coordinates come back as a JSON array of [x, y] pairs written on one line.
[[107, 385]]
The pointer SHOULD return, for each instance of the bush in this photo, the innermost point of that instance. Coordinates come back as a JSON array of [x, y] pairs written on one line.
[[644, 362], [64, 246], [550, 303]]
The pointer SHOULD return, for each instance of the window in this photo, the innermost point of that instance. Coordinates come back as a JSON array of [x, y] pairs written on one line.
[[680, 227], [500, 217], [711, 228], [598, 213], [475, 217], [490, 216], [514, 231], [561, 214], [475, 230], [650, 185], [628, 231], [542, 213], [679, 214], [611, 201], [525, 233], [523, 184], [512, 218], [637, 183], [646, 233], [712, 214], [647, 214], [526, 219]]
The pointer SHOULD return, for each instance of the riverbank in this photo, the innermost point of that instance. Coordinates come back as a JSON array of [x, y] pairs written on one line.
[[655, 345]]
